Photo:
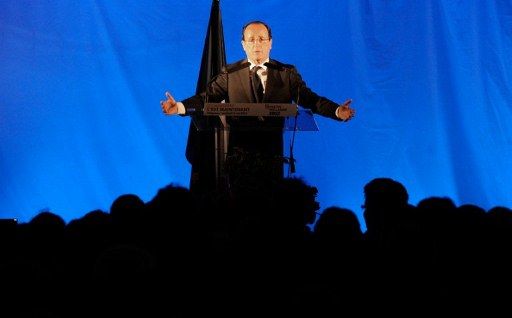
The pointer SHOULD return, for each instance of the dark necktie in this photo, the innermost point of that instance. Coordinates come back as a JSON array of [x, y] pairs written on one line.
[[257, 85]]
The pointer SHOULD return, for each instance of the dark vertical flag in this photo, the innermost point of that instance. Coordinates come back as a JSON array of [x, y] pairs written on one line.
[[200, 150]]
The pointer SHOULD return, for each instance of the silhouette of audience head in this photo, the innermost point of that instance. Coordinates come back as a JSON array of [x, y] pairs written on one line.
[[385, 201], [294, 201], [46, 226], [433, 204], [171, 198], [127, 209], [501, 215], [172, 211], [438, 214], [338, 225]]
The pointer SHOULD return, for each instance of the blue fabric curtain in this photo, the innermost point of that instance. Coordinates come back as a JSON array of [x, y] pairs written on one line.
[[80, 85]]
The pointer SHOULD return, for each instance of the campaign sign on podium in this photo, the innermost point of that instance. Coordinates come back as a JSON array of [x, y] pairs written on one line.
[[295, 118]]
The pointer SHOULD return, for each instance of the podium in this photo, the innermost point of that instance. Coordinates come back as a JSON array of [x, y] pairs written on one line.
[[227, 120]]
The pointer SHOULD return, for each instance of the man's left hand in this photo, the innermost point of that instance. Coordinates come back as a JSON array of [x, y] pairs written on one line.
[[344, 112]]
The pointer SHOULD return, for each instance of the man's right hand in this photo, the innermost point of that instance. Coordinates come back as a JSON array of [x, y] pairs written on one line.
[[169, 106]]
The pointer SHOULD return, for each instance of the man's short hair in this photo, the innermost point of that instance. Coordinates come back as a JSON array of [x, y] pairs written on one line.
[[257, 22]]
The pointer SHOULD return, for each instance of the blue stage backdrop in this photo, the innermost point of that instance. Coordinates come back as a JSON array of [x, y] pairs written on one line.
[[81, 81]]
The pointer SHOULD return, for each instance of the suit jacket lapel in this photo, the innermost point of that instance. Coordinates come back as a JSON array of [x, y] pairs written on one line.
[[273, 81], [243, 78]]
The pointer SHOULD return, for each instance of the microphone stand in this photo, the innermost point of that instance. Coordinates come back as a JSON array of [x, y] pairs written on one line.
[[292, 160], [291, 167]]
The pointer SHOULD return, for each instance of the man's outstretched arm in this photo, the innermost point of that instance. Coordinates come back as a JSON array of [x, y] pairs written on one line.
[[216, 91], [318, 104]]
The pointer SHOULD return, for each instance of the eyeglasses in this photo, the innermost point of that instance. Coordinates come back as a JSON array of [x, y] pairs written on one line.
[[253, 41]]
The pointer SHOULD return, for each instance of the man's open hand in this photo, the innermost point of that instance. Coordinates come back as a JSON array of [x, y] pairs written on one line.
[[169, 106], [344, 112]]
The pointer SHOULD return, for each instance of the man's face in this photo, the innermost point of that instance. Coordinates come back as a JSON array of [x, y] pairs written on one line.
[[256, 43]]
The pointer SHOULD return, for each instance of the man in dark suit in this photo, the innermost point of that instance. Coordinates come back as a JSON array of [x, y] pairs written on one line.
[[259, 79]]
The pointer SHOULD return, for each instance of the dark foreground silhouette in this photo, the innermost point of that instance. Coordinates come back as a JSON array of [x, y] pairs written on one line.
[[259, 253]]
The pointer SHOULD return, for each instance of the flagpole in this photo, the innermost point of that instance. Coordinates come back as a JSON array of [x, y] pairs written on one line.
[[202, 145]]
